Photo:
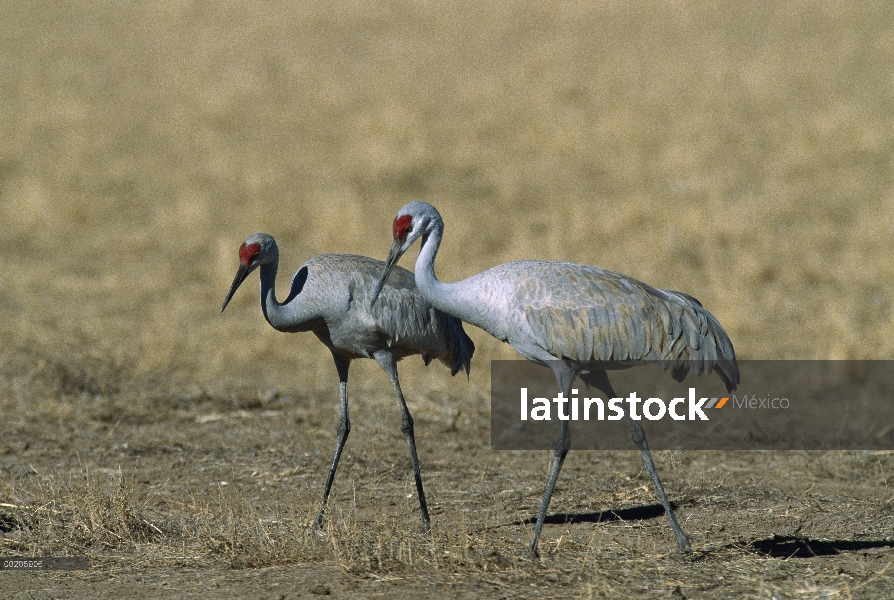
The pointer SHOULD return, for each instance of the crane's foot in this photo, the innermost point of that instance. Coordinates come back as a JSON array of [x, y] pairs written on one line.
[[316, 529], [532, 553], [683, 545]]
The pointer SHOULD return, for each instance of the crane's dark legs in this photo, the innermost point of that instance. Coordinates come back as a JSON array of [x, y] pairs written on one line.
[[564, 377], [344, 428], [388, 364], [639, 438], [599, 380]]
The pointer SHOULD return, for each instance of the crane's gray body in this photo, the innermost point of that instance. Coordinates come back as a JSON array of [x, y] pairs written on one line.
[[580, 321], [557, 310], [330, 295]]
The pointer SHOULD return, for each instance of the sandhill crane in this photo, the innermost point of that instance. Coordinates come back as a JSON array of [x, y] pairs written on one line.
[[330, 297], [564, 316]]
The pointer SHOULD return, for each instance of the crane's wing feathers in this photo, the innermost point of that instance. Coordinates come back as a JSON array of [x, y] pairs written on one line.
[[401, 315], [587, 313]]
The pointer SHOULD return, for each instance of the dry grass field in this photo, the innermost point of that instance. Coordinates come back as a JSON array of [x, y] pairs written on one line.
[[740, 152]]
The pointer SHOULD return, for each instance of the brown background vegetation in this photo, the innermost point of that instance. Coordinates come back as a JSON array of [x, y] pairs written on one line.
[[741, 153]]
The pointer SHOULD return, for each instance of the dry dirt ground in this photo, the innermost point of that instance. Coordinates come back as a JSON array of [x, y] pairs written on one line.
[[740, 152]]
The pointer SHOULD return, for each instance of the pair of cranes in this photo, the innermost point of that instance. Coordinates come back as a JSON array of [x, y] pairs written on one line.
[[565, 316]]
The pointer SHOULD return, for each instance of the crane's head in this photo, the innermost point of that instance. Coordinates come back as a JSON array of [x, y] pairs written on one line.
[[255, 251], [415, 220]]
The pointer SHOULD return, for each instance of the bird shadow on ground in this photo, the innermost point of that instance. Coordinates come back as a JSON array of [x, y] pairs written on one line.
[[788, 546], [637, 513]]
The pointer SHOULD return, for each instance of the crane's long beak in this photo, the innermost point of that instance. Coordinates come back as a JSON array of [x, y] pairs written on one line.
[[241, 274], [393, 257]]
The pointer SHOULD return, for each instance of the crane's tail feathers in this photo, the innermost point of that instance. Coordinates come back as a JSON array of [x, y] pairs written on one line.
[[725, 364], [727, 370], [698, 343], [679, 372], [688, 297], [730, 384], [460, 347]]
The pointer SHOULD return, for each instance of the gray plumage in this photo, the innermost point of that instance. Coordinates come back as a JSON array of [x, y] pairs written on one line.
[[556, 310], [330, 296], [578, 320]]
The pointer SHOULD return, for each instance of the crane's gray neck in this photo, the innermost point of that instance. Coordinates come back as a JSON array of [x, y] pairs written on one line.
[[446, 297], [274, 312], [426, 280], [297, 313]]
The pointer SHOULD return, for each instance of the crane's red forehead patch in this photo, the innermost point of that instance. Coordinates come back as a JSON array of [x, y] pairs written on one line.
[[249, 253], [402, 226]]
